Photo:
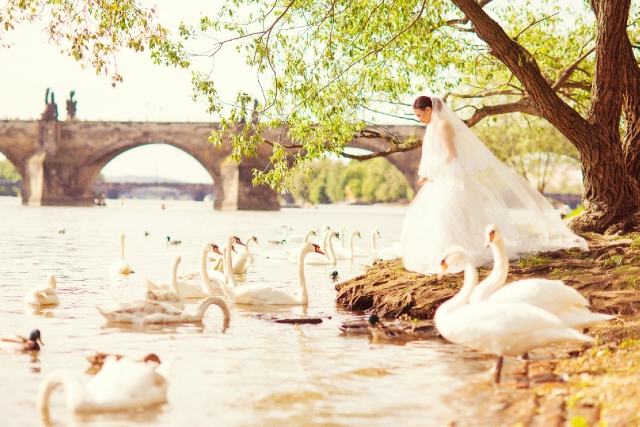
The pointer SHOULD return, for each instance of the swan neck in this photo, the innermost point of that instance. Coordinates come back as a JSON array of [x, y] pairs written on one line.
[[122, 247], [498, 275], [73, 389], [228, 267], [205, 281], [173, 286], [205, 303], [462, 297], [353, 235], [343, 240], [373, 241], [302, 282], [332, 254], [306, 237]]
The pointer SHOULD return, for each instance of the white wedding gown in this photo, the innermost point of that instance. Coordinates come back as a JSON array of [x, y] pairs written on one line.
[[461, 198]]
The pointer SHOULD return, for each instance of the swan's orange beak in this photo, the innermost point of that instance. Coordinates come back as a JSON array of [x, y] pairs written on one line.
[[216, 249], [238, 241], [444, 266], [317, 249], [490, 237]]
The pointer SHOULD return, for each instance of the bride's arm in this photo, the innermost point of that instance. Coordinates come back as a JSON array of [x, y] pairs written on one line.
[[446, 133]]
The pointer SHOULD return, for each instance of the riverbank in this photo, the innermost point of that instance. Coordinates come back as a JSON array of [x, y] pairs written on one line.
[[563, 385]]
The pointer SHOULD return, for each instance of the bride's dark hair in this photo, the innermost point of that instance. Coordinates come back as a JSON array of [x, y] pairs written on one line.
[[422, 103]]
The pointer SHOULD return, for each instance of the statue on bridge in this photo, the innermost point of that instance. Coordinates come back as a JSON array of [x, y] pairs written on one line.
[[71, 106], [51, 109]]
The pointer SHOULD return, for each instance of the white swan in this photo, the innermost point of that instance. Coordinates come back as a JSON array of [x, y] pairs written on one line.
[[293, 253], [343, 231], [392, 252], [344, 253], [171, 295], [182, 289], [550, 295], [244, 258], [120, 266], [285, 234], [207, 281], [262, 294], [500, 328], [330, 256], [43, 294], [121, 385], [149, 311], [298, 238]]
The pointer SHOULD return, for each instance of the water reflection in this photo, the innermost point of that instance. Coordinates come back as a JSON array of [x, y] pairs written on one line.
[[114, 419]]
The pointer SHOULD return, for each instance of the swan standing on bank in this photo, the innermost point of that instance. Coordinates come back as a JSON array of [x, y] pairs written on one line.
[[500, 328], [551, 295], [263, 294], [149, 311], [121, 385], [120, 266], [43, 294]]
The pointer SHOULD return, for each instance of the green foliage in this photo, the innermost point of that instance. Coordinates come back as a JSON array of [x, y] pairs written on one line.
[[529, 261], [93, 32], [372, 181], [9, 172], [328, 68]]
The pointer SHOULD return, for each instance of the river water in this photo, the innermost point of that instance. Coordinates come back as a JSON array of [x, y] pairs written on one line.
[[256, 373]]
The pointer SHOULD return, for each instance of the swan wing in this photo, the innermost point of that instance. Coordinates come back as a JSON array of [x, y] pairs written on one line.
[[580, 318], [550, 295], [42, 295], [189, 290], [169, 297], [136, 311]]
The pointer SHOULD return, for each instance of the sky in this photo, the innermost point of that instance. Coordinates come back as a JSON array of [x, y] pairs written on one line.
[[149, 92]]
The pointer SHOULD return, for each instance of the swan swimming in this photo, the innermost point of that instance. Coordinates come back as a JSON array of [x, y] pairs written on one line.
[[263, 294], [152, 311], [551, 295], [171, 295], [330, 256], [43, 294], [500, 328], [209, 282], [121, 385], [121, 266]]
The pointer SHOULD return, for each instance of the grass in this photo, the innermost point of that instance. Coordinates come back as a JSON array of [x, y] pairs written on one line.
[[614, 261], [528, 261]]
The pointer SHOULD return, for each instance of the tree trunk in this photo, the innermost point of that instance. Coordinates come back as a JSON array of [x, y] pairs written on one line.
[[612, 196]]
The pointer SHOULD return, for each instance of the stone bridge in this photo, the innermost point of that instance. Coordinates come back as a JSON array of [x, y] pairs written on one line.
[[60, 160], [113, 190]]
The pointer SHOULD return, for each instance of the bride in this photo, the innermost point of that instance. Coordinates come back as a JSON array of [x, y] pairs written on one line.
[[464, 188]]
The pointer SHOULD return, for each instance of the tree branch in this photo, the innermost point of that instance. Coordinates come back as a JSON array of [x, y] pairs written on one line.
[[524, 105]]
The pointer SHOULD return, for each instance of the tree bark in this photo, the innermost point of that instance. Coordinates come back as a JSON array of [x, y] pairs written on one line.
[[612, 196]]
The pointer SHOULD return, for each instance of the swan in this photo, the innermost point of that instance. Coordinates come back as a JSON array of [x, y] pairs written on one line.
[[325, 233], [182, 290], [121, 385], [391, 252], [121, 266], [343, 231], [173, 242], [263, 294], [43, 294], [344, 253], [551, 295], [241, 262], [285, 234], [149, 311], [20, 343], [209, 282], [500, 328], [330, 257]]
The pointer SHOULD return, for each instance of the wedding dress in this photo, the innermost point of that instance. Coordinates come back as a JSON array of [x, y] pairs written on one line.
[[462, 197]]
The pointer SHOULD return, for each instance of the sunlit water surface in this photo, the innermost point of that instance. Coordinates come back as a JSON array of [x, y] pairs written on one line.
[[256, 373]]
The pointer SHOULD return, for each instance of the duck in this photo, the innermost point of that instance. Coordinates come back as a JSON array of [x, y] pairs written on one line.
[[500, 328], [150, 310], [209, 282], [62, 231], [551, 295], [121, 385], [359, 326], [146, 233], [97, 360], [168, 292], [263, 294], [334, 275], [20, 343], [121, 266], [283, 240], [173, 242], [398, 333], [330, 257], [43, 294]]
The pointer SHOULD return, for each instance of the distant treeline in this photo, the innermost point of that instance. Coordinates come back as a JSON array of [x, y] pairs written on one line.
[[371, 181], [9, 172]]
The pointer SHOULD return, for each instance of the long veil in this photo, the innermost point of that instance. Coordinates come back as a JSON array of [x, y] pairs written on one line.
[[528, 221]]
